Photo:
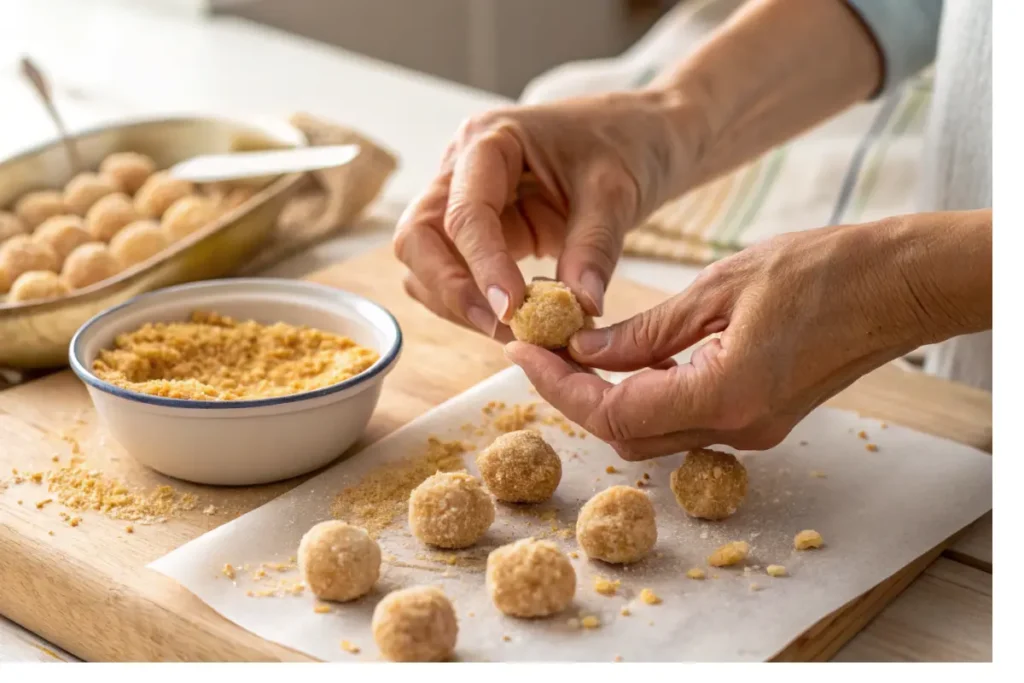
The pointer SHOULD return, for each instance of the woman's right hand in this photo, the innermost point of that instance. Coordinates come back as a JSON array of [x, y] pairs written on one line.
[[566, 179]]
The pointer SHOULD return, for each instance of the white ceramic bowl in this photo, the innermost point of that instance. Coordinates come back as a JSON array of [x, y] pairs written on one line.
[[242, 442]]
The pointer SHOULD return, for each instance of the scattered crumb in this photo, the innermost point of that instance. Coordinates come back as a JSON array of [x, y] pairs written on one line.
[[647, 476], [862, 434], [803, 443], [650, 623], [590, 621], [349, 647], [506, 638], [55, 458], [884, 425], [75, 521], [605, 586], [574, 555], [228, 571], [776, 570], [618, 658], [20, 502], [210, 510], [625, 611], [807, 539], [640, 482], [871, 447], [649, 597], [817, 474], [470, 614], [129, 529], [610, 470], [36, 477], [50, 533], [696, 573], [704, 535], [43, 503], [321, 608], [729, 554], [755, 587]]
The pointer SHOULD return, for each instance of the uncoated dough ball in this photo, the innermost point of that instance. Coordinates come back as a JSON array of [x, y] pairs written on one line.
[[89, 264], [617, 525], [10, 225], [549, 316], [37, 284], [158, 193], [128, 170], [107, 216], [709, 484], [450, 510], [530, 578], [415, 625], [36, 207], [62, 234], [520, 467], [137, 242], [187, 215], [339, 561], [85, 189], [19, 255]]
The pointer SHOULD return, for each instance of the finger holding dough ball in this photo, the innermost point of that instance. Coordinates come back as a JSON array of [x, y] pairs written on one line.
[[338, 561], [36, 207], [10, 225], [138, 242], [709, 484], [85, 189], [19, 255], [617, 525], [158, 193], [37, 284], [415, 625], [89, 264], [450, 510], [128, 170], [520, 467], [62, 234], [530, 578], [108, 215], [188, 215], [549, 316]]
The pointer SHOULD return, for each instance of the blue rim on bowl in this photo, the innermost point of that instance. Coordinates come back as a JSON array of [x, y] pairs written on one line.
[[386, 360]]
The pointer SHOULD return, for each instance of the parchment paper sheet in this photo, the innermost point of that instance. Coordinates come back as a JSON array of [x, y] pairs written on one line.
[[877, 512]]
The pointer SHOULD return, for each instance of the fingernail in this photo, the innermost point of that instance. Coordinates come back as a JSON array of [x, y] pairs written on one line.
[[498, 300], [593, 287], [482, 319], [589, 342]]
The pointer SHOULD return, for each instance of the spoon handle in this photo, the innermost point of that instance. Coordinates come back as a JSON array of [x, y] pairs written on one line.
[[38, 81]]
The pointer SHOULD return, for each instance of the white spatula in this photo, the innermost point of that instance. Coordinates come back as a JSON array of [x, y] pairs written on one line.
[[239, 165]]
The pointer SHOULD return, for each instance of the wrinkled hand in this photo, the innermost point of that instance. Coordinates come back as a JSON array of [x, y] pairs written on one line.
[[801, 317]]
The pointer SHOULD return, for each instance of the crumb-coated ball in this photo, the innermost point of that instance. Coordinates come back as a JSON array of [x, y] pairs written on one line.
[[10, 225], [187, 215], [530, 578], [138, 242], [709, 484], [62, 234], [450, 510], [549, 316], [415, 625], [128, 170], [158, 193], [520, 467], [89, 264], [338, 561], [36, 207], [108, 215], [37, 284], [19, 255], [85, 189], [617, 525]]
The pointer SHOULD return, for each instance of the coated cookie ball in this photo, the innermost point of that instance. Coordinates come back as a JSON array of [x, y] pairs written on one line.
[[37, 284], [19, 255], [108, 215], [530, 578], [709, 484], [158, 193], [85, 189], [338, 561], [89, 264], [549, 316], [138, 242], [36, 207], [415, 625], [520, 467], [450, 510], [10, 225], [128, 170], [62, 234], [187, 215], [617, 525]]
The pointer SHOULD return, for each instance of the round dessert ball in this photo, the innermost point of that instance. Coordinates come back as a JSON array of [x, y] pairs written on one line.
[[549, 316], [138, 242], [338, 561], [415, 625], [128, 170], [85, 189], [89, 264], [450, 510], [709, 484], [520, 467], [10, 225], [62, 234], [617, 525], [158, 193], [36, 207], [108, 215], [19, 255], [530, 578], [187, 215], [37, 284]]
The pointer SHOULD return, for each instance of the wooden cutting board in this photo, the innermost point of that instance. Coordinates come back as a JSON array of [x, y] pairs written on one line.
[[86, 588]]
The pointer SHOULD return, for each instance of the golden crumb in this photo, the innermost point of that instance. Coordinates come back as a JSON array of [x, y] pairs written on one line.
[[573, 554], [605, 586], [349, 647], [506, 638], [81, 489], [640, 483], [610, 470], [210, 510], [516, 418], [807, 539], [695, 573], [754, 587], [884, 425], [55, 458], [590, 621], [20, 502], [470, 614], [129, 529], [625, 611], [43, 503], [75, 521], [775, 570], [50, 533], [618, 658], [14, 471], [647, 476], [649, 597], [862, 434], [321, 608], [228, 571], [36, 477], [818, 474], [729, 554], [871, 447]]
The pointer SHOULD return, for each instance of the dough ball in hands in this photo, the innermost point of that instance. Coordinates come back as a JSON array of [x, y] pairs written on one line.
[[530, 578], [138, 242], [10, 225], [617, 525], [709, 484], [85, 189], [450, 510], [415, 625], [549, 316], [89, 264], [338, 561], [36, 207], [158, 193], [520, 467], [37, 284], [187, 215], [19, 255], [63, 234], [108, 215], [128, 170]]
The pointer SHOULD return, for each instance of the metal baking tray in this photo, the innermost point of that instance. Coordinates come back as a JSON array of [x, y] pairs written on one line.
[[36, 334]]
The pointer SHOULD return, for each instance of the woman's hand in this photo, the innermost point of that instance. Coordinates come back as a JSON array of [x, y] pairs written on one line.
[[565, 180], [801, 317]]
